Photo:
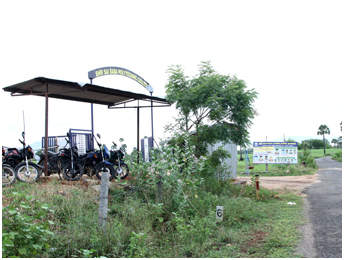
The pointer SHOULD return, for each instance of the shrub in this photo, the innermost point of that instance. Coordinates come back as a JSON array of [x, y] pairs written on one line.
[[306, 157], [25, 227], [337, 156]]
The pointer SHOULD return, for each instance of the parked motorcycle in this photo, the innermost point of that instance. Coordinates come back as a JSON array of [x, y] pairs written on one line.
[[55, 160], [14, 156], [117, 158], [8, 173], [97, 159], [25, 171], [73, 169]]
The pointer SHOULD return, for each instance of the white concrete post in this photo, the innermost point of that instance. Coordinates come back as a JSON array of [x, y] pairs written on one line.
[[103, 200]]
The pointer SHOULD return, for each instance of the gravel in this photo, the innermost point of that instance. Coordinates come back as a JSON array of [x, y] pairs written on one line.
[[322, 236]]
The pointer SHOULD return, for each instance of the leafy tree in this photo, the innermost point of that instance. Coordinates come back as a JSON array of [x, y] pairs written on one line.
[[339, 141], [322, 130], [316, 143], [213, 107], [334, 141]]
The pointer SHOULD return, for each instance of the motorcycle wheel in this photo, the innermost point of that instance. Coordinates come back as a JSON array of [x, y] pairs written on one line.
[[27, 175], [72, 173], [108, 168], [8, 175], [41, 163], [123, 170]]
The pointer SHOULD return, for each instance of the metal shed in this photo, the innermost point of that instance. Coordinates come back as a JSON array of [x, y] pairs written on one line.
[[83, 92]]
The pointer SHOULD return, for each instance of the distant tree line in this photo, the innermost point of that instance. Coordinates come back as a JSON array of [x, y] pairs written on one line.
[[318, 144]]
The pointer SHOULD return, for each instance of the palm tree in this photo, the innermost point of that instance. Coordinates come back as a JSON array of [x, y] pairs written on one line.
[[322, 130]]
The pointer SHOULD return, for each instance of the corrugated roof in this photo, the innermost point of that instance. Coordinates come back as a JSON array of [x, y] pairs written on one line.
[[75, 91]]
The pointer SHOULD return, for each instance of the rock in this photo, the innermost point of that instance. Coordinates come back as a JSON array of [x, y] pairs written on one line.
[[239, 182], [91, 182], [96, 188]]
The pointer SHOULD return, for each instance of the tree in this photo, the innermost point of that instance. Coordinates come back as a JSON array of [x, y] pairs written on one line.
[[322, 130], [339, 141], [334, 141], [213, 107]]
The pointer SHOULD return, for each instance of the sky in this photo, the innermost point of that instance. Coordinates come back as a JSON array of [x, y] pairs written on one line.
[[290, 52]]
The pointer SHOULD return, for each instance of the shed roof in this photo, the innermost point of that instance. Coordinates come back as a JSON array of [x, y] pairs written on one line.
[[77, 91]]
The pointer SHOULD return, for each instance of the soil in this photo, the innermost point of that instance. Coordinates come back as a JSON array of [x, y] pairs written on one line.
[[296, 183]]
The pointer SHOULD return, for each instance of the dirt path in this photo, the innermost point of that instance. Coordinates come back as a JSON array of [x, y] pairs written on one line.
[[297, 183]]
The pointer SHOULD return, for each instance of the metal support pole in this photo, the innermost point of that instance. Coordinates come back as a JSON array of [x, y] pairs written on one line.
[[46, 134], [138, 131], [152, 121], [92, 126]]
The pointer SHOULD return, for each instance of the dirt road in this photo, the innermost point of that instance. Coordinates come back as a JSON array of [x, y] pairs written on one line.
[[297, 183], [322, 235]]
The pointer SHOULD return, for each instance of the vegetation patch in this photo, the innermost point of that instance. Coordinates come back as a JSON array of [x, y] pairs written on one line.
[[168, 212]]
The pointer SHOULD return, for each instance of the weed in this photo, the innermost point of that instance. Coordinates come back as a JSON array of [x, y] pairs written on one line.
[[25, 227]]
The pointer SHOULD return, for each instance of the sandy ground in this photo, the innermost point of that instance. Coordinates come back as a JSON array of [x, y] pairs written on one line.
[[297, 183]]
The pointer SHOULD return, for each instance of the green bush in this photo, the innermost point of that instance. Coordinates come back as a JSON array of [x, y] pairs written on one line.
[[306, 157], [25, 228], [337, 156]]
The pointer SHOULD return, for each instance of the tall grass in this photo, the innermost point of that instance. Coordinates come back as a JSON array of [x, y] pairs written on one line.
[[139, 227]]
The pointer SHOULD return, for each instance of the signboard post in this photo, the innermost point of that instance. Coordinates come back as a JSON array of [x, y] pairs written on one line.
[[275, 152]]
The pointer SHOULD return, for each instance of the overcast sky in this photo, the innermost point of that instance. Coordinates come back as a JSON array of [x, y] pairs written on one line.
[[290, 52]]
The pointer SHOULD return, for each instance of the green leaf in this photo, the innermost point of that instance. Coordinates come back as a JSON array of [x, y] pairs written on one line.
[[37, 247], [12, 212], [22, 251], [161, 219], [51, 222], [7, 242], [28, 236]]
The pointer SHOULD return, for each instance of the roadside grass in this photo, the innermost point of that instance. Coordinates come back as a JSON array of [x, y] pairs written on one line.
[[139, 227], [319, 153]]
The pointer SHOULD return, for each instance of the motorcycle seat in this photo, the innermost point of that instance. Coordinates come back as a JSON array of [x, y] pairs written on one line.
[[83, 155], [51, 153]]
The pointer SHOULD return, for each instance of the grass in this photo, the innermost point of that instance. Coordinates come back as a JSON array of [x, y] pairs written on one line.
[[139, 227]]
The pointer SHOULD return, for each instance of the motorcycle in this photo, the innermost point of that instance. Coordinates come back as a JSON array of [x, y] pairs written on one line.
[[117, 158], [98, 164], [73, 169], [55, 160], [8, 173], [24, 171], [14, 156]]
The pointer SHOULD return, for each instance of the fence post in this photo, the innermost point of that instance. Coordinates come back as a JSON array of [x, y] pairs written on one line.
[[159, 189], [103, 200]]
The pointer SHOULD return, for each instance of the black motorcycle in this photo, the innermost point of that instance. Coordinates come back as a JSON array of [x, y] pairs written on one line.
[[73, 169], [96, 162], [117, 158], [25, 170], [55, 160], [8, 173]]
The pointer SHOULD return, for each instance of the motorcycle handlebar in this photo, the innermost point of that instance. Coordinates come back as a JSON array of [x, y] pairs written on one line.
[[21, 141]]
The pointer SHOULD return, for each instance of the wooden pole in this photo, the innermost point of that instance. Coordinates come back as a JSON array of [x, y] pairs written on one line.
[[46, 133], [266, 166], [138, 132]]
